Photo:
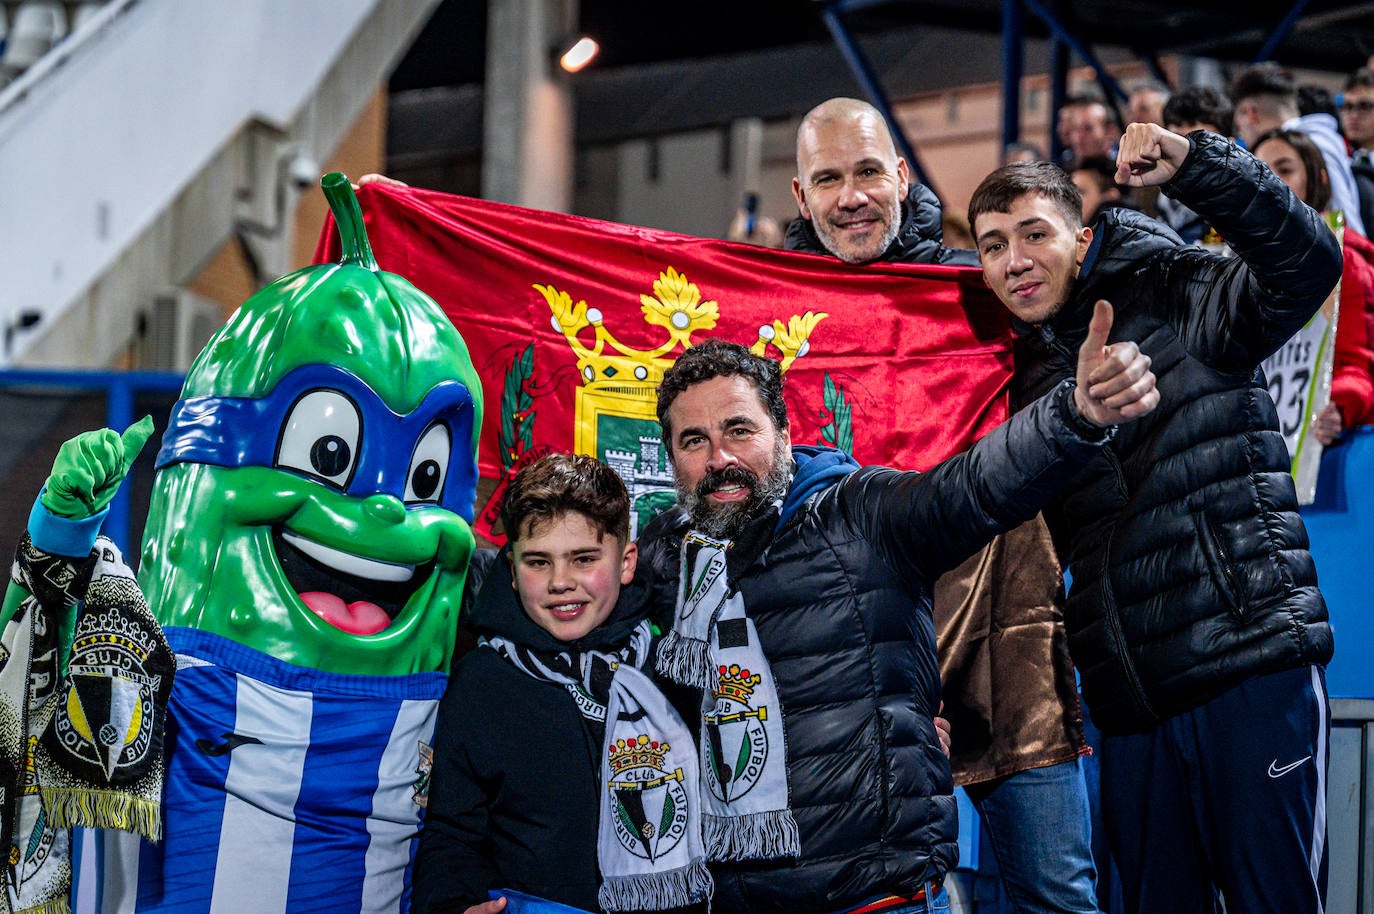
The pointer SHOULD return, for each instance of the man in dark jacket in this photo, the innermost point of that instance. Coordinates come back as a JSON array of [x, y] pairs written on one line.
[[1194, 617], [832, 567], [1009, 687]]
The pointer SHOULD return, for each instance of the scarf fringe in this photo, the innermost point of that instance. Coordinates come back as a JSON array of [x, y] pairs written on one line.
[[686, 661], [760, 836], [657, 891], [56, 906], [67, 807]]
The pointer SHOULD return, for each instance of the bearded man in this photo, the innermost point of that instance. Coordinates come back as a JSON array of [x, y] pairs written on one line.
[[802, 632]]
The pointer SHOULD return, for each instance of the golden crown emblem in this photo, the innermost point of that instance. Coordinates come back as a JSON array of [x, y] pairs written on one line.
[[676, 306], [736, 684], [637, 752]]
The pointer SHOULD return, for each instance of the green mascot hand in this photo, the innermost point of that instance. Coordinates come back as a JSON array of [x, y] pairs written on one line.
[[90, 467]]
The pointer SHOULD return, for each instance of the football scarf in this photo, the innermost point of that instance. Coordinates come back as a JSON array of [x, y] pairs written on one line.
[[586, 674], [714, 646], [88, 738], [649, 839]]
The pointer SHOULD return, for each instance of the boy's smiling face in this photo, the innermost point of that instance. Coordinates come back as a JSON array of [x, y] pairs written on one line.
[[568, 574]]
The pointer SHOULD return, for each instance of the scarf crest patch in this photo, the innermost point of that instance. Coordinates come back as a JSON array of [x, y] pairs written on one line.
[[85, 743], [746, 808]]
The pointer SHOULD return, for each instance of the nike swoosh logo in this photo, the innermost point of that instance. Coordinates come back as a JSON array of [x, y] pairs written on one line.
[[1276, 772], [231, 742]]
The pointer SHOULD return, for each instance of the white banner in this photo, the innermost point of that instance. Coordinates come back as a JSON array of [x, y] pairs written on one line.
[[1299, 376]]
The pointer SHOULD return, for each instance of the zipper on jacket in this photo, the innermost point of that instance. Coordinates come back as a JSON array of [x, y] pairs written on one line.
[[1113, 621], [1052, 341], [1220, 564], [1118, 474]]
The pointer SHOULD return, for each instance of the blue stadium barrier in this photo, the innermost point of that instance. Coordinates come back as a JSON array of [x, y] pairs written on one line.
[[1340, 523], [120, 389]]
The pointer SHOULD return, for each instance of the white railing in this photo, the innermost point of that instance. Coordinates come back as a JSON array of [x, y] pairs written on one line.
[[1350, 797], [100, 137]]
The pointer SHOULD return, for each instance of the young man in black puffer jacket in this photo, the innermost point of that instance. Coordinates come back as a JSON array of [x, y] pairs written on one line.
[[821, 573], [1194, 616]]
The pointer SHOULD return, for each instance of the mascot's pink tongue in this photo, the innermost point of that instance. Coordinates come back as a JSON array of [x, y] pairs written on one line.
[[361, 618]]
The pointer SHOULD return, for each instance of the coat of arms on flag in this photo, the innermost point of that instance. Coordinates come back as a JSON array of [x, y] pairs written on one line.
[[571, 322]]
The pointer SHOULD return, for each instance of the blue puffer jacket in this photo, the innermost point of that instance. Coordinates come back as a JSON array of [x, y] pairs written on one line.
[[1189, 560], [839, 587]]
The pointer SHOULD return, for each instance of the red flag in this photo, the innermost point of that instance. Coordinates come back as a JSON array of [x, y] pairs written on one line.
[[571, 321]]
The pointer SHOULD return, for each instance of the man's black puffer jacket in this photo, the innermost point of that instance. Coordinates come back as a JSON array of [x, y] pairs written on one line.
[[919, 240], [839, 589], [1189, 560]]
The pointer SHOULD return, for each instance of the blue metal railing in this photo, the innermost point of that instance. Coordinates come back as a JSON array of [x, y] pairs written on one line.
[[120, 389]]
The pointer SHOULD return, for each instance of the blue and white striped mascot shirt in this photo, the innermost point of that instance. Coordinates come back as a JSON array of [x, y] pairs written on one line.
[[335, 765]]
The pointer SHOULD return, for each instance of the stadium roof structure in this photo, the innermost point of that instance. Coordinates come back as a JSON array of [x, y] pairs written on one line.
[[673, 67], [1313, 34]]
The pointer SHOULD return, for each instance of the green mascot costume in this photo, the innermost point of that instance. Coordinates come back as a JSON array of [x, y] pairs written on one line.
[[304, 559]]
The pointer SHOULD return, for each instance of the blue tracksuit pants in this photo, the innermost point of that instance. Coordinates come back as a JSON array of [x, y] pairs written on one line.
[[1229, 797]]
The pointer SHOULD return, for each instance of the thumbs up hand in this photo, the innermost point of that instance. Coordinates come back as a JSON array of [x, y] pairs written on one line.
[[89, 468], [1115, 384]]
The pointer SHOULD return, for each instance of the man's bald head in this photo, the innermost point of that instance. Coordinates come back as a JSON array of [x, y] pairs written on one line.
[[850, 113]]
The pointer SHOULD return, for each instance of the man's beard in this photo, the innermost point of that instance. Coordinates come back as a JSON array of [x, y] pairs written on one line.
[[727, 521], [827, 235]]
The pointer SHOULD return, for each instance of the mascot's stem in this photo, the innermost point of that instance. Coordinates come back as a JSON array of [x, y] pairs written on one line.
[[348, 217]]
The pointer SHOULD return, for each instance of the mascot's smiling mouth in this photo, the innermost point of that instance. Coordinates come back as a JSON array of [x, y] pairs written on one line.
[[348, 563], [357, 595]]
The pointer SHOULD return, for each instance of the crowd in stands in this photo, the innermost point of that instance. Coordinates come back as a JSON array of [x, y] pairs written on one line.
[[1316, 141]]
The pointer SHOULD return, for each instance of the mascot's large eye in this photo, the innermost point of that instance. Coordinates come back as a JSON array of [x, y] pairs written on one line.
[[425, 481], [320, 437]]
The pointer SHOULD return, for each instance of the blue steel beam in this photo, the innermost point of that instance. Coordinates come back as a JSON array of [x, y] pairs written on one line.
[[1059, 91], [1057, 29], [868, 79], [1156, 68], [848, 6], [1013, 65], [1280, 32]]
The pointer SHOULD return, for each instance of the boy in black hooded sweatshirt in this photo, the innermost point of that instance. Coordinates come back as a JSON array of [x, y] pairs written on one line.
[[520, 755]]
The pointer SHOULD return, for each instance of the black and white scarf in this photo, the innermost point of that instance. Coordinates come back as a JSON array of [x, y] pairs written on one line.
[[80, 745], [649, 840], [714, 646]]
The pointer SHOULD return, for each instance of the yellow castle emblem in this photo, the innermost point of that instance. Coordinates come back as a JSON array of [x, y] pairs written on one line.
[[619, 381]]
